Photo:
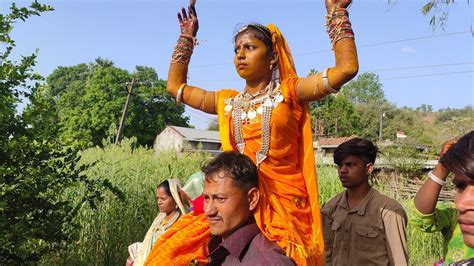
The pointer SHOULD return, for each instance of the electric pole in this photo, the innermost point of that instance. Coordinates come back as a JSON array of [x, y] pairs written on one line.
[[382, 115], [125, 108]]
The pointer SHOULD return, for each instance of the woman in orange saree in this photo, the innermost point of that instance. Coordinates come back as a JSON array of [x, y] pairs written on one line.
[[269, 122]]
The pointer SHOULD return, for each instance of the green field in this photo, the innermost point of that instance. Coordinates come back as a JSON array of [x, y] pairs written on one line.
[[106, 230]]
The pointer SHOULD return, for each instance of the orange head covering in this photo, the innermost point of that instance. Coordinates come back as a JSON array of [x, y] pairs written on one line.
[[286, 66]]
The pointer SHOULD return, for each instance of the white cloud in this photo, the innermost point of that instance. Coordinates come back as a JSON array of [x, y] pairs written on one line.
[[408, 49]]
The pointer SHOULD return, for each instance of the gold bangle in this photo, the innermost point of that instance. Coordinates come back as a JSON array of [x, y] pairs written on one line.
[[179, 94]]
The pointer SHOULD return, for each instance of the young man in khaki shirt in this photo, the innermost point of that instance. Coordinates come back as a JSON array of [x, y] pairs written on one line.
[[360, 225]]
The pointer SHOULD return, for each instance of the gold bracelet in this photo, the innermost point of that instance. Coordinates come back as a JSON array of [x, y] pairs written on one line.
[[179, 94]]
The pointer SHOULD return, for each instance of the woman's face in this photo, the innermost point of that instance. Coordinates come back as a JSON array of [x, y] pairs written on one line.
[[464, 200], [252, 59], [166, 203]]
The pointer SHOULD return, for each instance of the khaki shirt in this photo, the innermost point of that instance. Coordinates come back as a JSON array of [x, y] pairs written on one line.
[[372, 233]]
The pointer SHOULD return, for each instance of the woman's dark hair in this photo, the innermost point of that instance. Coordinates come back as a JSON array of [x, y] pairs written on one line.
[[460, 157], [258, 31], [166, 186], [237, 166], [362, 148]]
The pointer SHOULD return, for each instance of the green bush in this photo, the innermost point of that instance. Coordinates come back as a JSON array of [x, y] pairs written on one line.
[[108, 227]]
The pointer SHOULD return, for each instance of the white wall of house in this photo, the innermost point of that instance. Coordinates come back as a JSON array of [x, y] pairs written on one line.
[[168, 139]]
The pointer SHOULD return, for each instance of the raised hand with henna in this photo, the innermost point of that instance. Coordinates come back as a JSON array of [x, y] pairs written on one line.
[[333, 4], [188, 22]]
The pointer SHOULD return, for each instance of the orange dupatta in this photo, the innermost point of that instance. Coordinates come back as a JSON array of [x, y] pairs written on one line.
[[297, 230], [289, 212]]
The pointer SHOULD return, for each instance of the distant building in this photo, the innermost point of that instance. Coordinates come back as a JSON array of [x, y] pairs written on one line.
[[327, 146], [324, 149], [182, 139], [389, 143]]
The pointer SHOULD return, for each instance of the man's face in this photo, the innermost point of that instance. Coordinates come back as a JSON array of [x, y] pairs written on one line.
[[353, 171], [464, 200], [227, 206]]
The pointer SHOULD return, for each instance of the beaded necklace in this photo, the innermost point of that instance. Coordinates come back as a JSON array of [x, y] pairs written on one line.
[[246, 108]]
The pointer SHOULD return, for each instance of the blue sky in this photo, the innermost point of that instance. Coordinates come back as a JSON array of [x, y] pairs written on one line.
[[416, 64]]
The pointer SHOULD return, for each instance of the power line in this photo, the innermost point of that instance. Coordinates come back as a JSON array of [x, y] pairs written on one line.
[[358, 46], [414, 39], [426, 75], [429, 75], [414, 67], [199, 115]]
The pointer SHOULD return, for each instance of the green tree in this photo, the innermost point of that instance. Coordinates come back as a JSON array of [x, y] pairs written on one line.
[[408, 121], [451, 123], [370, 115], [32, 216], [312, 72], [368, 98], [437, 9], [213, 125], [87, 100], [365, 89], [336, 116], [424, 108], [35, 218]]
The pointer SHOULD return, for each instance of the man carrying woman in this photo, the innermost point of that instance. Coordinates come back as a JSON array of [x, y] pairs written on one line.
[[269, 122]]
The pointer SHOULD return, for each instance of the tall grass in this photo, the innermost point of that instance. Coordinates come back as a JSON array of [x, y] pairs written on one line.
[[115, 222]]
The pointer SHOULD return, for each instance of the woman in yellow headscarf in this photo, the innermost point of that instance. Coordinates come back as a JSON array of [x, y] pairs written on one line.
[[268, 121]]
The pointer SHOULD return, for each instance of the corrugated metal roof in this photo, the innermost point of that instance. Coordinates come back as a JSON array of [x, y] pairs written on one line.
[[198, 134], [333, 142]]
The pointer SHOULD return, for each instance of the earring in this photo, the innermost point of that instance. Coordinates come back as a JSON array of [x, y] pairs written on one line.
[[275, 75]]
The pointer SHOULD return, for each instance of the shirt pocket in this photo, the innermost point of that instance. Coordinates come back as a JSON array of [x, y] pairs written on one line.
[[367, 238]]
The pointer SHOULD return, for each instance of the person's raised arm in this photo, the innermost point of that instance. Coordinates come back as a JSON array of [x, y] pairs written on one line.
[[427, 197], [330, 80], [177, 76]]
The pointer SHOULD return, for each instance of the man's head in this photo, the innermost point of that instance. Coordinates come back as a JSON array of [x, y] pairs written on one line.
[[230, 192], [355, 161], [459, 159]]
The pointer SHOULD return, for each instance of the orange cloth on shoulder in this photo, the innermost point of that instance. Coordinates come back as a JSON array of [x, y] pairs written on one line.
[[185, 242]]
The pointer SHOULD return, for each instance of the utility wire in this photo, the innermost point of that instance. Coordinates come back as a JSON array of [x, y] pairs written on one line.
[[199, 115], [371, 70], [358, 46], [414, 67], [429, 75], [414, 39]]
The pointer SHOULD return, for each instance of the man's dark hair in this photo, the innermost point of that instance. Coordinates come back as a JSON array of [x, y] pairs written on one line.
[[362, 148], [460, 157], [237, 166]]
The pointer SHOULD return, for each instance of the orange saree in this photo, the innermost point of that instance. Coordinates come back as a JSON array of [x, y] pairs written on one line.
[[288, 212]]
